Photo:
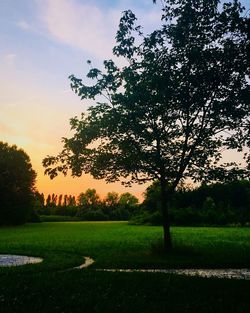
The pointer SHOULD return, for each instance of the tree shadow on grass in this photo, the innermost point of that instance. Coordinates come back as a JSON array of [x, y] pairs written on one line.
[[179, 257]]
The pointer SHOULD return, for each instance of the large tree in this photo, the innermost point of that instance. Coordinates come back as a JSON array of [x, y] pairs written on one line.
[[168, 114], [17, 180]]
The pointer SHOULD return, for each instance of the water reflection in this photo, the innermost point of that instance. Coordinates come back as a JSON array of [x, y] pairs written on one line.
[[17, 260], [217, 273]]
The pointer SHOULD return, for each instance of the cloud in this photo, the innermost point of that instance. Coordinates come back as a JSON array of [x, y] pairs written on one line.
[[9, 58], [24, 25], [6, 129], [88, 27], [82, 26]]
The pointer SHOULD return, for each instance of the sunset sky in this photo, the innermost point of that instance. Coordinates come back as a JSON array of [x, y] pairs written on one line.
[[42, 42]]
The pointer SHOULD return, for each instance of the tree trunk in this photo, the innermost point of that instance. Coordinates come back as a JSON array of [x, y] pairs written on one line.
[[166, 196]]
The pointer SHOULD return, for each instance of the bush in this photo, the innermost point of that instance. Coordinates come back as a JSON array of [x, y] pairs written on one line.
[[57, 218], [147, 219], [95, 215], [119, 214], [33, 217], [214, 204], [185, 216]]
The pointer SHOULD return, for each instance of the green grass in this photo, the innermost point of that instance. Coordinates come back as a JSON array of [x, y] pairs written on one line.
[[46, 288]]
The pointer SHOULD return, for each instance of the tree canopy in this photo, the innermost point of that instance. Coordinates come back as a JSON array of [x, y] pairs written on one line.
[[181, 100], [17, 180]]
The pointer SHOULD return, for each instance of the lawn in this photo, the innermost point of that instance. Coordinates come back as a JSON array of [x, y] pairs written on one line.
[[46, 287]]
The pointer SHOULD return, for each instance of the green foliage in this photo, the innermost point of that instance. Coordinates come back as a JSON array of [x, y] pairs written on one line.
[[17, 180], [209, 204], [89, 199], [170, 112], [146, 218], [214, 204], [89, 206], [33, 217], [127, 200], [111, 200], [92, 215], [57, 218], [180, 100]]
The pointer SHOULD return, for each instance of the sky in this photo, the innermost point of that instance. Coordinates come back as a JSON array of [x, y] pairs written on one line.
[[42, 42]]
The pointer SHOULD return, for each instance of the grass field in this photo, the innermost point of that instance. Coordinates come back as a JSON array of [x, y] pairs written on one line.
[[46, 287]]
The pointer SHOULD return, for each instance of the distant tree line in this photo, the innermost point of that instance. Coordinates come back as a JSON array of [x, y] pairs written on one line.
[[88, 205], [214, 204]]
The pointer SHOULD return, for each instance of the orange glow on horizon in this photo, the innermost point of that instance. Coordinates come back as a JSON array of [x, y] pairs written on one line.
[[75, 185]]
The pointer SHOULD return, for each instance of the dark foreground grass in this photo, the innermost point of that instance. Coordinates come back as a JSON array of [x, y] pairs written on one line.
[[46, 287], [90, 291]]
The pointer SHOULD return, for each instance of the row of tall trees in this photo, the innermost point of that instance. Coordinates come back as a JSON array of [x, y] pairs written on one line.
[[53, 200], [88, 205]]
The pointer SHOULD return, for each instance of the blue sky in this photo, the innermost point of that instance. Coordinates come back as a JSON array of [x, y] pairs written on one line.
[[42, 42]]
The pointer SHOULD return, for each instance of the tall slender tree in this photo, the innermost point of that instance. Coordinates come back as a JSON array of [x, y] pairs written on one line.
[[60, 200]]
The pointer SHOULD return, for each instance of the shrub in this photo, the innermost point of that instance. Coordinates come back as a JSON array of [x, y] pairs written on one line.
[[95, 215], [57, 218], [147, 218]]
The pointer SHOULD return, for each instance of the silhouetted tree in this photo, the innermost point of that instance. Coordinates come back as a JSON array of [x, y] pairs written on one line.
[[72, 201], [128, 202], [167, 115], [48, 201], [17, 181], [65, 200], [112, 199], [60, 200], [89, 206], [88, 200], [39, 199], [53, 202], [127, 199]]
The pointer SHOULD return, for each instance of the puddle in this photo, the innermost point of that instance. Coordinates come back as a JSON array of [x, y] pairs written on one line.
[[7, 260], [87, 262], [243, 273], [207, 273]]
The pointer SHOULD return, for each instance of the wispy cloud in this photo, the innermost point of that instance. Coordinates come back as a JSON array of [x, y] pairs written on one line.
[[86, 26], [24, 25], [9, 58], [6, 129], [82, 26]]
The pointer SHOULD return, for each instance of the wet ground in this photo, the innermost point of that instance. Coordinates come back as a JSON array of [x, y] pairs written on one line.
[[17, 260], [243, 273]]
